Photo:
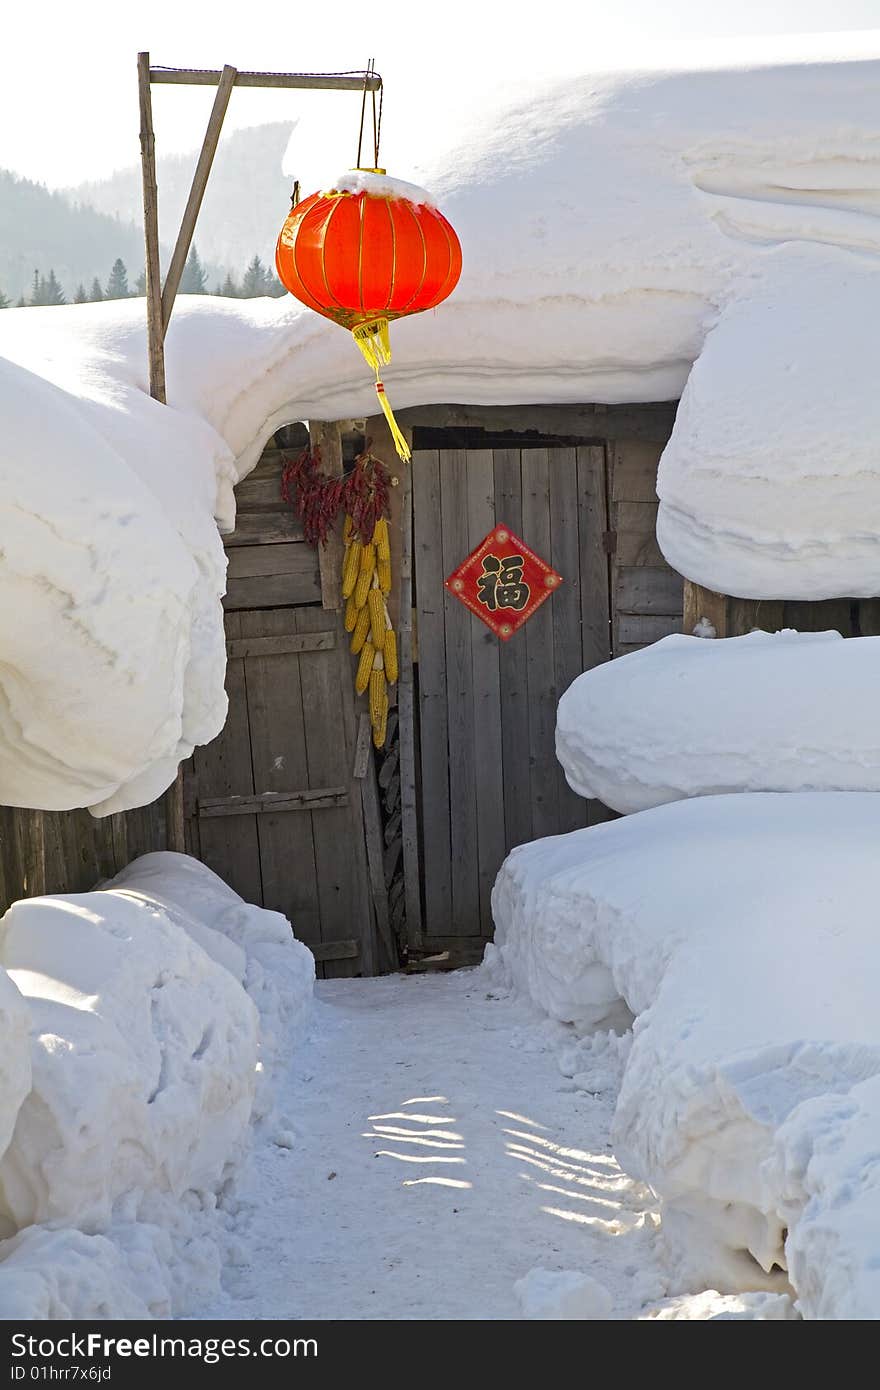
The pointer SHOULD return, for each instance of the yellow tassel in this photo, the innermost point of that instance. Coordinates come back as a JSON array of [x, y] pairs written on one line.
[[400, 443], [374, 342]]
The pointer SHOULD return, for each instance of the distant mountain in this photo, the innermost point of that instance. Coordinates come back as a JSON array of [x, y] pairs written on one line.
[[47, 231], [247, 199]]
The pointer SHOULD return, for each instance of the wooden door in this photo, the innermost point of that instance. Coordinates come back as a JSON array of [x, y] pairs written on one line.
[[489, 778], [273, 804]]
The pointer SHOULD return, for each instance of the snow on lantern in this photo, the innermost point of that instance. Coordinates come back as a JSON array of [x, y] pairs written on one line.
[[369, 250]]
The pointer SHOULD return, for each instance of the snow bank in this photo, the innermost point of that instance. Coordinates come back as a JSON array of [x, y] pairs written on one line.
[[637, 210], [742, 931], [551, 1295], [770, 480], [254, 943], [143, 1059], [146, 1057], [689, 717]]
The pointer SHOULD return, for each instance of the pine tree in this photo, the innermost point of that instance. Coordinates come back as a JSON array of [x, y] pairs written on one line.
[[38, 289], [274, 287], [80, 296], [117, 285], [96, 294], [255, 282], [54, 292], [230, 289], [193, 280], [4, 302], [21, 302], [140, 284]]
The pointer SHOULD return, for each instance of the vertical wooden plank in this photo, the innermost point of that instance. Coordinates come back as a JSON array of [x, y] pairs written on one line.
[[433, 712], [746, 614], [700, 603], [224, 768], [565, 604], [327, 437], [513, 672], [340, 852], [460, 696], [278, 750], [594, 558], [485, 667], [539, 652]]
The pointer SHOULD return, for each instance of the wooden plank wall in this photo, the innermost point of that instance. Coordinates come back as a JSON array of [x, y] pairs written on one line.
[[71, 851], [647, 592]]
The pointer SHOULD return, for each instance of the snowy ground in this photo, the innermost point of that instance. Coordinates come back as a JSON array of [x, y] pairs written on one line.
[[428, 1152]]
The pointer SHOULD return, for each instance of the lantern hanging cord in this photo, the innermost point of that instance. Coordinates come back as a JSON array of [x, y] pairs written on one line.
[[370, 72]]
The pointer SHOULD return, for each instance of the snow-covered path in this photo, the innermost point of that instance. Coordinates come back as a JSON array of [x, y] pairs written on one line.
[[426, 1153]]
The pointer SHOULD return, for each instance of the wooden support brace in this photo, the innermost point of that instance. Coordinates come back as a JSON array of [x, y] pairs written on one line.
[[196, 193]]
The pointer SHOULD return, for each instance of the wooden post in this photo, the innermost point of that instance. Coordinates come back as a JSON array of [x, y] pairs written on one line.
[[412, 870], [196, 193], [704, 603], [155, 328]]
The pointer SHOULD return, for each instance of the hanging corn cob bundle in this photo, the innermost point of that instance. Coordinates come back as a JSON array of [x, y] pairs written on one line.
[[366, 580], [366, 568]]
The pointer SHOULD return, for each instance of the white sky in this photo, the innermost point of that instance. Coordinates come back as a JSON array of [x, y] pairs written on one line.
[[68, 94]]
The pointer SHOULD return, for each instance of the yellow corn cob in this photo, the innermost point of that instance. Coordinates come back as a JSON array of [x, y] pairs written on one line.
[[380, 539], [347, 529], [383, 569], [362, 587], [379, 730], [351, 568], [365, 668], [361, 628], [351, 614], [376, 604], [389, 651], [378, 690], [368, 558]]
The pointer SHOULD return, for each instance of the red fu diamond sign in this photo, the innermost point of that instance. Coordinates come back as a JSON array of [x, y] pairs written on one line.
[[503, 582]]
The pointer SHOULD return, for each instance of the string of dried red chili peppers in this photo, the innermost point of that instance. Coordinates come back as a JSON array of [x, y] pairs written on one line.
[[318, 500]]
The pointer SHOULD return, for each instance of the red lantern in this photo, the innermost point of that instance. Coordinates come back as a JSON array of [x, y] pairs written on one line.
[[365, 254]]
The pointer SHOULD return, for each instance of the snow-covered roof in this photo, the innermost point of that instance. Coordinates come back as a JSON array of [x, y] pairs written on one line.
[[608, 224]]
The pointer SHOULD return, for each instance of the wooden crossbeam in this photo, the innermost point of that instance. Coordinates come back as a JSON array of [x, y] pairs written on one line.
[[264, 802], [296, 81]]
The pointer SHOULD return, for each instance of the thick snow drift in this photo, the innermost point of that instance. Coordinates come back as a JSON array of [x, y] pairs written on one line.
[[770, 483], [743, 931], [636, 210], [147, 1049], [690, 717]]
